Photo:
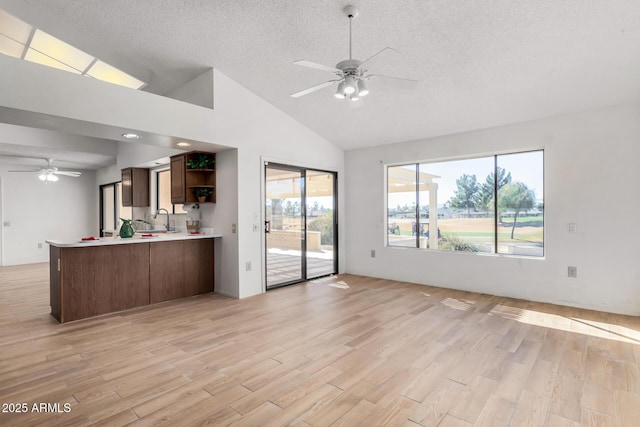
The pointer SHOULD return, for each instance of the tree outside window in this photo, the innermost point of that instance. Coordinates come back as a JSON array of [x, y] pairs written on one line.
[[475, 212]]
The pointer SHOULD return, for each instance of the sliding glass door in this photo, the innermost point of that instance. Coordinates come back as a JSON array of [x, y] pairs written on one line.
[[284, 229], [300, 228], [321, 224]]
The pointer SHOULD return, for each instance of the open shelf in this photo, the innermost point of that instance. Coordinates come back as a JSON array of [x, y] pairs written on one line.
[[185, 180]]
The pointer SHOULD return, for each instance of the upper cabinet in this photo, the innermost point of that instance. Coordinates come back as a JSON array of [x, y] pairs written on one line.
[[135, 187], [193, 178], [178, 185]]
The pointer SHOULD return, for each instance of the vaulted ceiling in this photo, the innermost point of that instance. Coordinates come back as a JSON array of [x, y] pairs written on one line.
[[480, 63]]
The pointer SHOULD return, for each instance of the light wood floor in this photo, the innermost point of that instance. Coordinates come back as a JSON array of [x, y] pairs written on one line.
[[376, 353]]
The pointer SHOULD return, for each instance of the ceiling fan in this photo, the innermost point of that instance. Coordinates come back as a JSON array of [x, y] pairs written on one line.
[[351, 74], [50, 173]]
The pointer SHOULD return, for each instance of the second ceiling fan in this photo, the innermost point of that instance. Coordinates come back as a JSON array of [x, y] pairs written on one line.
[[49, 173], [352, 74]]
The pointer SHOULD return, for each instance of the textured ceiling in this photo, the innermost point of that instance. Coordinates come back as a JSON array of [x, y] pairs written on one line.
[[480, 63]]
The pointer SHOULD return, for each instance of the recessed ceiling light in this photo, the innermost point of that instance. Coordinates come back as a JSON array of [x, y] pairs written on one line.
[[183, 144], [131, 135]]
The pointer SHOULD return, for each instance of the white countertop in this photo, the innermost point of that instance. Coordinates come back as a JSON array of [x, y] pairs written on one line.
[[157, 237]]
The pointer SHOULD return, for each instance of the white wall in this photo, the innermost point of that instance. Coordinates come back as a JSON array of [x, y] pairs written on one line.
[[32, 137], [65, 210], [591, 176], [134, 154], [108, 175], [224, 214], [198, 91], [240, 120], [260, 130]]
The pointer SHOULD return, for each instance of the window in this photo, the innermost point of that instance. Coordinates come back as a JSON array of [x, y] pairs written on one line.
[[163, 191], [460, 205], [111, 209], [23, 41]]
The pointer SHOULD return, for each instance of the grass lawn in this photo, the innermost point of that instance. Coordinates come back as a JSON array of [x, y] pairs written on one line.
[[509, 220], [481, 229]]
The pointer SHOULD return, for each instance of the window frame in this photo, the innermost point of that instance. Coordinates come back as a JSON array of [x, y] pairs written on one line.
[[496, 218], [156, 191], [117, 206]]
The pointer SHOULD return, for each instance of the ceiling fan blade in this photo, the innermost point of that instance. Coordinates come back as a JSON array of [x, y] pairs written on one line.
[[377, 57], [316, 66], [313, 89], [68, 173], [26, 170], [396, 82]]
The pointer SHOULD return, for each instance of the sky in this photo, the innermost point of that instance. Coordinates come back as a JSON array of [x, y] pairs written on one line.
[[524, 167]]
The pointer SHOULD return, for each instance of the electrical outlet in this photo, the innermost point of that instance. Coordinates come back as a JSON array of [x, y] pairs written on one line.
[[572, 271], [234, 228], [248, 266], [255, 227], [39, 245], [373, 253], [573, 227]]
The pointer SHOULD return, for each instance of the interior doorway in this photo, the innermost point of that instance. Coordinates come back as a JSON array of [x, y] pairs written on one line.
[[301, 232]]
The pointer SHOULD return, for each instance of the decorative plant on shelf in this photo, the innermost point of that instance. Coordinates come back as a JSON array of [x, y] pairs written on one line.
[[202, 161], [202, 193]]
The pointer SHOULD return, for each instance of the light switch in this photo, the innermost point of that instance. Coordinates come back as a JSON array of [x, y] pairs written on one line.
[[233, 228]]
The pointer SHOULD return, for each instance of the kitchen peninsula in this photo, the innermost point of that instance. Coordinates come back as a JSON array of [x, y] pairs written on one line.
[[91, 278]]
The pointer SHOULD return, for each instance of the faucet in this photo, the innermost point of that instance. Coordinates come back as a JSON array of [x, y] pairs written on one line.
[[167, 212]]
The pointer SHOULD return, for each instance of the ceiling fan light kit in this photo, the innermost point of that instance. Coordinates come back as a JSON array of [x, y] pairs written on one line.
[[340, 91], [349, 84], [350, 73], [362, 88], [50, 173], [47, 177]]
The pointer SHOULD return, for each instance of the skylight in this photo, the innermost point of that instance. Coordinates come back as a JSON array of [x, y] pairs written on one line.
[[20, 40]]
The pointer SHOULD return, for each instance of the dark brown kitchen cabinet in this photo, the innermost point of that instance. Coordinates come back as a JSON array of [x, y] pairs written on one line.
[[135, 187], [180, 268], [88, 281], [178, 187], [192, 175], [91, 281]]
